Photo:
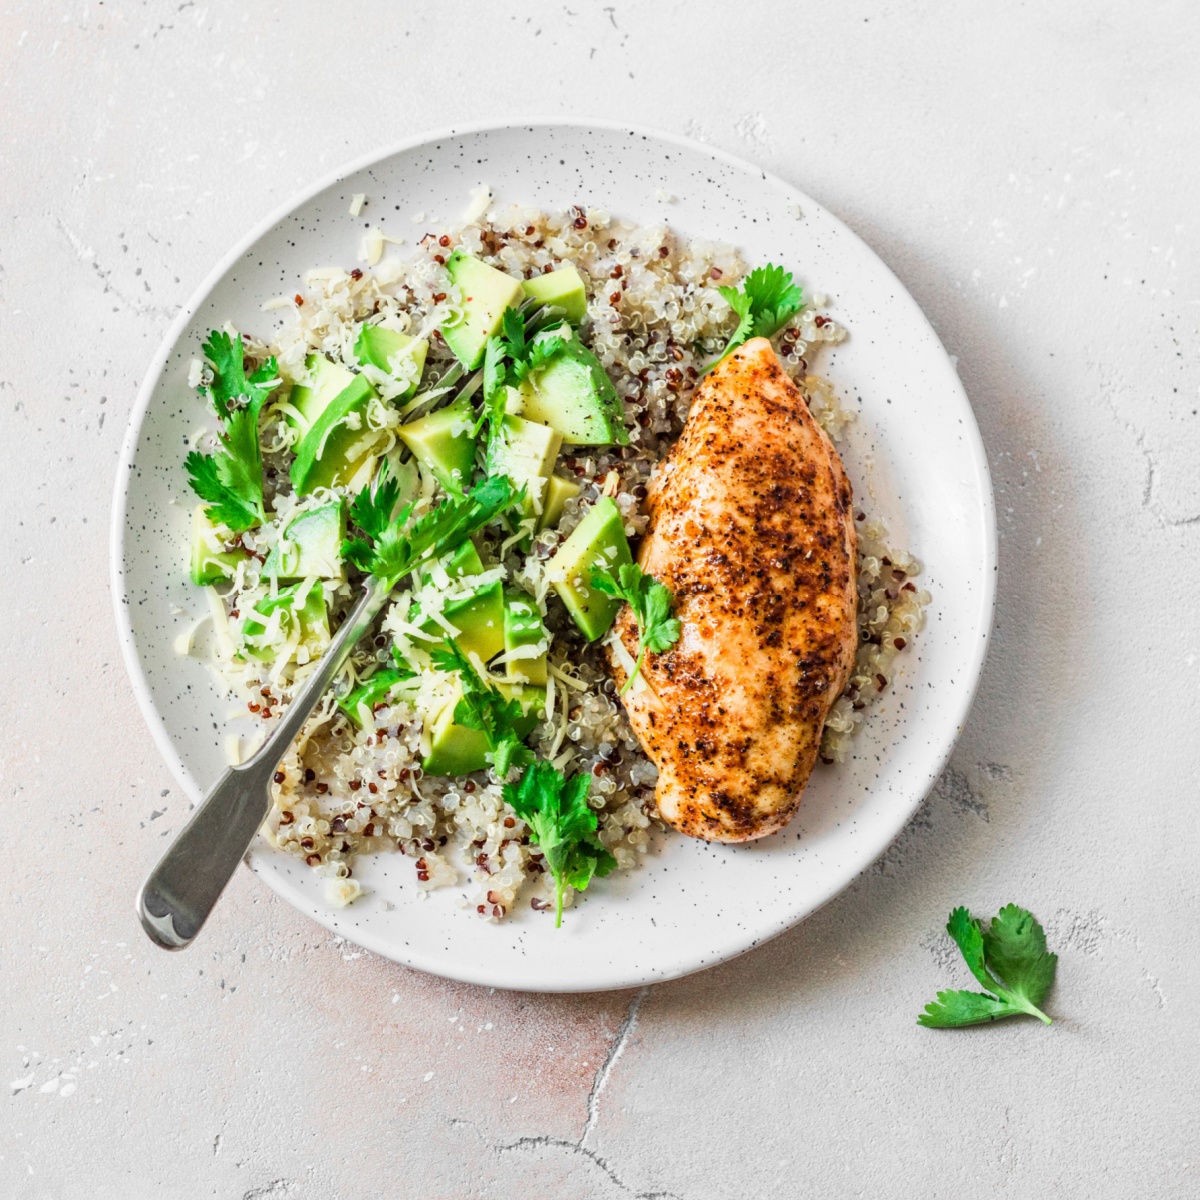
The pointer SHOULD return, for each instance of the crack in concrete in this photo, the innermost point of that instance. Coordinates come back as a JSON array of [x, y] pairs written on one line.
[[600, 1079], [1149, 502], [599, 1083], [526, 1143], [86, 254]]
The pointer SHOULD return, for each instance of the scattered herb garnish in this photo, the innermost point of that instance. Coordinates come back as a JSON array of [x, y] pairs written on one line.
[[561, 823], [651, 603], [765, 303], [509, 358], [1013, 949], [231, 480], [485, 708], [392, 546]]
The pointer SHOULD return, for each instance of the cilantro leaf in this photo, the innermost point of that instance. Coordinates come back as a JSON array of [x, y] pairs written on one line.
[[226, 358], [509, 358], [651, 603], [1015, 945], [393, 545], [562, 824], [1014, 949], [485, 708], [765, 303], [231, 480]]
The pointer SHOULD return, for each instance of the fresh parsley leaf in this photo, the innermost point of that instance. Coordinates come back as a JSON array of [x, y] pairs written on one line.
[[1014, 949], [765, 303], [393, 546], [226, 359], [651, 603], [485, 708], [561, 823], [509, 358], [1015, 946], [231, 480]]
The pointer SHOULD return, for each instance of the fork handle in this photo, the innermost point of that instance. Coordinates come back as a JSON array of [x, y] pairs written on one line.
[[181, 891]]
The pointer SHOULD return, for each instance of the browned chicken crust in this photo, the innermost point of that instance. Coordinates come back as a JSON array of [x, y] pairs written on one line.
[[752, 527]]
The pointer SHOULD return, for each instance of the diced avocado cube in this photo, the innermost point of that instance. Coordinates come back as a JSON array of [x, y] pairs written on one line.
[[526, 453], [311, 545], [312, 618], [573, 394], [485, 293], [388, 350], [443, 442], [523, 627], [372, 691], [462, 560], [562, 288], [211, 562], [558, 492], [479, 619], [340, 444], [327, 380], [457, 750], [599, 539]]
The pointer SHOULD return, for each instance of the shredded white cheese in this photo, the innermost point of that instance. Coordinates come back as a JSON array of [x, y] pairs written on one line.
[[481, 197], [371, 250], [356, 203]]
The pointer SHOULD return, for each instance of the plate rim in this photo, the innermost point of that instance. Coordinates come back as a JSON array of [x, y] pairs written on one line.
[[119, 531]]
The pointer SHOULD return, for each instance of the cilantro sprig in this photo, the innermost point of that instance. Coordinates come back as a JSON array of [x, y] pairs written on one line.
[[231, 481], [651, 602], [509, 358], [485, 708], [394, 544], [1009, 959], [765, 303], [561, 823]]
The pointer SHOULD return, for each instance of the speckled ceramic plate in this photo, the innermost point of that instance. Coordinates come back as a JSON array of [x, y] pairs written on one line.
[[915, 450]]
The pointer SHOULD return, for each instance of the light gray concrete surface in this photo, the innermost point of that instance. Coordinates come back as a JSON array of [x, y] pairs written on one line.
[[1030, 171]]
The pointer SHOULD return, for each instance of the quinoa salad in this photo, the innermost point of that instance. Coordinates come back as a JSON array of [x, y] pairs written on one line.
[[388, 761]]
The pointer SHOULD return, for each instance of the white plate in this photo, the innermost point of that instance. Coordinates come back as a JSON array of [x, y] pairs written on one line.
[[914, 456]]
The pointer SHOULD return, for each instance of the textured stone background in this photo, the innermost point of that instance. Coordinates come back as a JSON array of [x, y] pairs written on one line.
[[1030, 171]]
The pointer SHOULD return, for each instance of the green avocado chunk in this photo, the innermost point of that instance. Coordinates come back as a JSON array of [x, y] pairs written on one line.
[[526, 453], [573, 394], [462, 560], [457, 750], [311, 545], [443, 442], [562, 288], [599, 539], [479, 619], [211, 562], [327, 380], [372, 691], [523, 627], [379, 345], [485, 293], [558, 492], [312, 617], [340, 444]]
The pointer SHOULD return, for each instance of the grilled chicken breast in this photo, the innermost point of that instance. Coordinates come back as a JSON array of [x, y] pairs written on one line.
[[752, 528]]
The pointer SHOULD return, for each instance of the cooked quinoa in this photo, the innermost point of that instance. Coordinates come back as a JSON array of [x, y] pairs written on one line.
[[655, 319]]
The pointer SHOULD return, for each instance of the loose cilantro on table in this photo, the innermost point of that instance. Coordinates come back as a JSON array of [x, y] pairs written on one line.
[[485, 708], [231, 481], [562, 824], [393, 545], [651, 603], [765, 303], [1013, 949]]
